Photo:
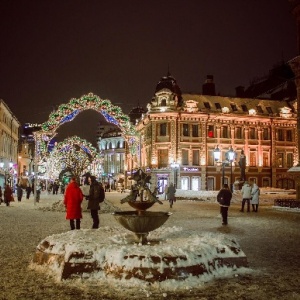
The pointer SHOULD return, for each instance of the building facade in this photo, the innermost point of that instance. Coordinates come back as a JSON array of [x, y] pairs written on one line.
[[180, 133], [9, 139]]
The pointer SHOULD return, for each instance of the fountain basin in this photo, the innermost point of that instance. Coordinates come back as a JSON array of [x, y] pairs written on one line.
[[141, 223], [140, 205]]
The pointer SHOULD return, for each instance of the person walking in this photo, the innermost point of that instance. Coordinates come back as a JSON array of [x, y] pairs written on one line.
[[255, 192], [96, 196], [28, 191], [72, 200], [171, 194], [19, 192], [166, 191], [246, 196], [7, 194], [1, 199], [224, 197]]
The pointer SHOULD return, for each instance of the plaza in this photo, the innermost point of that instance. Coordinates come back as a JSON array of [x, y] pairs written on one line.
[[269, 238]]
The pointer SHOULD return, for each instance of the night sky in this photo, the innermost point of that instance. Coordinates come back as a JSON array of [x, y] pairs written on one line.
[[52, 51]]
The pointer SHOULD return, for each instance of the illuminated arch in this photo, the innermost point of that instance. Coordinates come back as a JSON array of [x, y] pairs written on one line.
[[67, 112]]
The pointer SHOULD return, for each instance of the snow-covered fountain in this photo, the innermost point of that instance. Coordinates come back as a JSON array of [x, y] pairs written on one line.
[[147, 253]]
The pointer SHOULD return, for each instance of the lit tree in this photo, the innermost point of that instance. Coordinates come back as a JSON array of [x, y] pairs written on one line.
[[74, 154]]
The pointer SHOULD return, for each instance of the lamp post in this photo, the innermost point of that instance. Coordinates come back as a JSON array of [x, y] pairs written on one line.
[[231, 157], [217, 157], [175, 167]]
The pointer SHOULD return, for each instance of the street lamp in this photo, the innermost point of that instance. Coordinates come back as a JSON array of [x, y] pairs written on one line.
[[231, 157], [217, 157], [175, 167]]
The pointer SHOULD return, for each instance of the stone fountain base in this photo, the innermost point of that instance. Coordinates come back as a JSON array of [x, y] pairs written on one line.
[[109, 253]]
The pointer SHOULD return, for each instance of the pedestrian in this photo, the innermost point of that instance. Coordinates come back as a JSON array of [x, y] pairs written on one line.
[[7, 195], [224, 197], [166, 191], [96, 196], [19, 192], [28, 191], [72, 200], [246, 196], [171, 194], [255, 192], [1, 199]]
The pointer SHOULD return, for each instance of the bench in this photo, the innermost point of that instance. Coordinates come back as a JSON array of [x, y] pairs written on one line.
[[291, 203]]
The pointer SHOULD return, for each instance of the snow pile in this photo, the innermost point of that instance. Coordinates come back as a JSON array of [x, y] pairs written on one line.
[[173, 258]]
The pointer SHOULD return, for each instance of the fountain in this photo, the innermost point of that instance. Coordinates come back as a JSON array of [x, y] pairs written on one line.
[[141, 221], [109, 255]]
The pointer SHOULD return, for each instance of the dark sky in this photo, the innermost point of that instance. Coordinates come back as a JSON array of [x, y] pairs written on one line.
[[52, 51]]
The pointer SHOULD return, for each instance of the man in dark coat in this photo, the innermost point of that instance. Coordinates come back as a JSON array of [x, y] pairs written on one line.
[[96, 196], [224, 197]]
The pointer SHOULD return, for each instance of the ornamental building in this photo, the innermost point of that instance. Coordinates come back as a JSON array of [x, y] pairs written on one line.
[[182, 133]]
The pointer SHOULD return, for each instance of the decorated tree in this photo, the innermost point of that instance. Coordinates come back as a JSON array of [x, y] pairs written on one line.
[[74, 154]]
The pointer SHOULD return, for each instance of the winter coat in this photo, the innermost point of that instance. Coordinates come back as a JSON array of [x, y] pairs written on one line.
[[7, 194], [72, 200], [171, 192], [19, 192], [94, 203], [224, 197], [246, 191], [255, 192]]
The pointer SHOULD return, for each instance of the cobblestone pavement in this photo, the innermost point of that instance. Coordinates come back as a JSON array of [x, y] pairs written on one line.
[[269, 238]]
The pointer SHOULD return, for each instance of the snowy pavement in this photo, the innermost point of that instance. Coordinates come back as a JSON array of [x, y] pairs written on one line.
[[269, 238]]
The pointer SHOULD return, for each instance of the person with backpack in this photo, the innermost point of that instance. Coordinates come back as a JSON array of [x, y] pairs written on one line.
[[96, 196], [255, 192]]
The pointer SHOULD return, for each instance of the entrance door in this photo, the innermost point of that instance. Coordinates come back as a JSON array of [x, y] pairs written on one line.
[[162, 183]]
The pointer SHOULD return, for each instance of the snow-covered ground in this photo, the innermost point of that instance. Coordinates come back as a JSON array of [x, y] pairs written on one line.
[[270, 239]]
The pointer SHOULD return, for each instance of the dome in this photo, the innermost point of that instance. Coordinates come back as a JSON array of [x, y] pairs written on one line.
[[170, 83], [136, 113]]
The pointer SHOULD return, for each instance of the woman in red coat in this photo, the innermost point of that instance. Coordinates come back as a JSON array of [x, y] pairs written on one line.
[[72, 201]]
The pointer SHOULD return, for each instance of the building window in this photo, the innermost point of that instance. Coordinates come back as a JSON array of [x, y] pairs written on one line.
[[279, 160], [210, 131], [252, 158], [244, 108], [210, 158], [289, 135], [225, 131], [163, 158], [266, 159], [233, 107], [163, 102], [289, 160], [163, 129], [280, 136], [185, 157], [266, 134], [218, 106], [196, 158], [195, 130], [196, 183], [185, 183], [252, 133], [269, 110], [266, 182], [206, 105], [238, 133], [185, 129], [259, 109]]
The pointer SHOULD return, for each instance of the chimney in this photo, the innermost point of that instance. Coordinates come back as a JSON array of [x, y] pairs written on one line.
[[208, 88], [240, 91]]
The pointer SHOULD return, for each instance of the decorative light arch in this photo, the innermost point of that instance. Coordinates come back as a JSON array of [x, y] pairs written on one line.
[[67, 112]]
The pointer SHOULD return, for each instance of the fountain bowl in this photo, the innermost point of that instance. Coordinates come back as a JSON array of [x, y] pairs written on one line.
[[138, 205], [141, 223]]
